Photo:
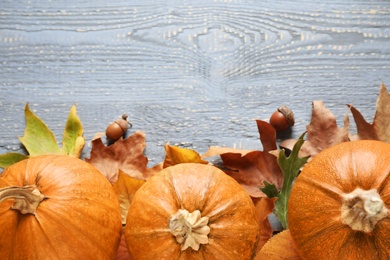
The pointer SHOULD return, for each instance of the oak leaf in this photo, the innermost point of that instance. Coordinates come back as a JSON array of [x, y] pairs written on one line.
[[252, 168], [379, 129], [323, 132], [125, 154]]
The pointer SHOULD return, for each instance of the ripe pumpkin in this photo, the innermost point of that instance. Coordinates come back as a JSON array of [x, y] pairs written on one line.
[[191, 211], [339, 204], [57, 207]]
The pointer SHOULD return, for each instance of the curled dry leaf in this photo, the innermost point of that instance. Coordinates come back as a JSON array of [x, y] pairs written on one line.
[[122, 253], [264, 206], [279, 247], [323, 132], [251, 169], [217, 151], [125, 188], [125, 154], [379, 129], [175, 155]]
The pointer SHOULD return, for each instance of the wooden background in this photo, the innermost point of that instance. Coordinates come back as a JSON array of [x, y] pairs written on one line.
[[192, 73]]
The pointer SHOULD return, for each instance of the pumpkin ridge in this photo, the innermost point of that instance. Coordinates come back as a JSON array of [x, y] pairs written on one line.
[[49, 241], [336, 193], [81, 235], [205, 190], [382, 186]]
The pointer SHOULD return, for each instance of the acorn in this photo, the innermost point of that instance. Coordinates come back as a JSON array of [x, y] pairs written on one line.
[[282, 118], [118, 128]]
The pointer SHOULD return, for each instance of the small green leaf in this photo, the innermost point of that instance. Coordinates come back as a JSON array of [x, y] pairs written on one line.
[[73, 141], [270, 190], [38, 138], [8, 159], [290, 167]]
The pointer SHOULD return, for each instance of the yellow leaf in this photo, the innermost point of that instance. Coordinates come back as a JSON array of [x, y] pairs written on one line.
[[175, 155], [38, 138], [73, 141], [125, 187]]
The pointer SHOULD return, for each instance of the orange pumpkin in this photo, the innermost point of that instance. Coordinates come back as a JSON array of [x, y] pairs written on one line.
[[191, 211], [57, 207], [338, 207]]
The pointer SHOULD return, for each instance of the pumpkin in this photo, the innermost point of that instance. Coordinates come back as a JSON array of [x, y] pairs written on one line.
[[57, 207], [339, 204], [191, 211]]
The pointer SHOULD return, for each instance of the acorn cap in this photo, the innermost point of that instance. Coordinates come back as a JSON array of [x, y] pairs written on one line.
[[288, 114], [123, 123]]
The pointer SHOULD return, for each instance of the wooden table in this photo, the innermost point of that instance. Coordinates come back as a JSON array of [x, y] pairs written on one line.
[[192, 73]]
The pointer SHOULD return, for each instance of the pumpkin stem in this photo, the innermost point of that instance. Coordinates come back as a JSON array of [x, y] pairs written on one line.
[[362, 209], [190, 229], [26, 198]]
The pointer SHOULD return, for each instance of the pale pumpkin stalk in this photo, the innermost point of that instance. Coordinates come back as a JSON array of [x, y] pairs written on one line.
[[190, 229], [363, 209], [27, 198], [290, 167]]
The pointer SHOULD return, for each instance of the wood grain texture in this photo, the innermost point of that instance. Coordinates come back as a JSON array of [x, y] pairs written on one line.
[[192, 73]]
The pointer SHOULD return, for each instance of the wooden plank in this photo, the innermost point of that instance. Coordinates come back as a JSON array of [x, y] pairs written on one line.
[[191, 73]]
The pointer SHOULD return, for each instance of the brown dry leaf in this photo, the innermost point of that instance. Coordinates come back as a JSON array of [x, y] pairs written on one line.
[[323, 132], [175, 155], [379, 129], [264, 206], [251, 169], [279, 247], [122, 253], [217, 151], [125, 154], [125, 188]]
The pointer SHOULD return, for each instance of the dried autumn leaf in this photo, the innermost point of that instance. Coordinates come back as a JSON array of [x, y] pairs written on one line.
[[38, 138], [279, 247], [122, 252], [253, 168], [217, 150], [379, 129], [125, 187], [125, 154], [264, 206], [323, 132], [175, 155], [73, 141]]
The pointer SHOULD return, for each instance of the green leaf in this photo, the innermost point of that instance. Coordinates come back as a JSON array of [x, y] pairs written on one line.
[[290, 167], [38, 138], [270, 190], [8, 159], [73, 141]]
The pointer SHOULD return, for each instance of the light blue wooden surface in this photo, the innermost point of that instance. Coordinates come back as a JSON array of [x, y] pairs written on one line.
[[192, 73]]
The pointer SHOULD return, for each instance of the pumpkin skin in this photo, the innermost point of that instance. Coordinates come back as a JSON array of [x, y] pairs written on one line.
[[233, 225], [78, 219], [318, 198]]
